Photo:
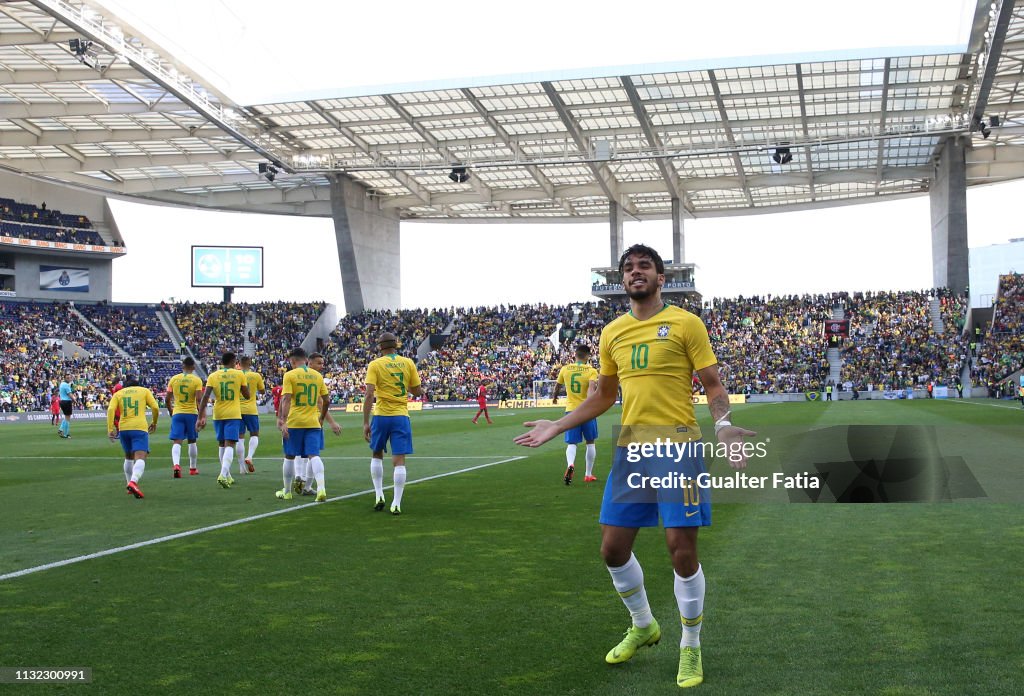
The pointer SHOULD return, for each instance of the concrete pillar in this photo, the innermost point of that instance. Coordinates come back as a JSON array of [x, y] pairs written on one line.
[[948, 194], [368, 248], [615, 221], [678, 236]]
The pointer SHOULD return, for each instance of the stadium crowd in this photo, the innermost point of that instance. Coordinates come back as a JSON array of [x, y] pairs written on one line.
[[1002, 351], [29, 221], [894, 344]]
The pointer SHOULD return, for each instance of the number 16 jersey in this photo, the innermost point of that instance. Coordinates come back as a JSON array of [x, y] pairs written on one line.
[[226, 384]]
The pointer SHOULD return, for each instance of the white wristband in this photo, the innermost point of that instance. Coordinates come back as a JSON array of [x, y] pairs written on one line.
[[721, 424]]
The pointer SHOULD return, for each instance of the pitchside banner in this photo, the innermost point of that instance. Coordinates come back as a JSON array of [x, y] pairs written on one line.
[[63, 279]]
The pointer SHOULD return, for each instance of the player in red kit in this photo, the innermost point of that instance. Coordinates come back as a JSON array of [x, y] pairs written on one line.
[[55, 410], [275, 392], [481, 400], [117, 415]]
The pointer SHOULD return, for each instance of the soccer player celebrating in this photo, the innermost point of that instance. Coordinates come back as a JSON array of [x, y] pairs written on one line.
[[481, 400], [227, 386], [250, 415], [651, 352], [181, 393], [303, 406], [64, 390], [132, 402], [580, 381], [389, 380]]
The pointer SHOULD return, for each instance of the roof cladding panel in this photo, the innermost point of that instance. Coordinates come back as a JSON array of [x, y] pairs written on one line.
[[856, 127]]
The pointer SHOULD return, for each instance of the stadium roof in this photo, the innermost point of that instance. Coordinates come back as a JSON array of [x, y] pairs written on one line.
[[124, 118]]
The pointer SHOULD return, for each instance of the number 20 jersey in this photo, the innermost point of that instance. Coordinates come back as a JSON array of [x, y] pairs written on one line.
[[306, 386], [654, 360]]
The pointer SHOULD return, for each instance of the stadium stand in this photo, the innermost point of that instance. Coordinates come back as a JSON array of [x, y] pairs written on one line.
[[894, 344], [1002, 351], [37, 222], [211, 328]]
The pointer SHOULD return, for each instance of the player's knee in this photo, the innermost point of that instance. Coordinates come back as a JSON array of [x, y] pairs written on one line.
[[614, 555], [684, 560]]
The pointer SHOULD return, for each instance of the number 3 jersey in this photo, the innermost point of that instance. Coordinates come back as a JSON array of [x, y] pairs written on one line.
[[132, 402], [654, 360], [392, 377], [226, 384], [306, 386]]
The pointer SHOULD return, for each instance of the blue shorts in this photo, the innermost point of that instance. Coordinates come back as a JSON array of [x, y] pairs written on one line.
[[134, 441], [586, 431], [183, 426], [396, 429], [303, 442], [228, 430], [630, 501], [250, 424]]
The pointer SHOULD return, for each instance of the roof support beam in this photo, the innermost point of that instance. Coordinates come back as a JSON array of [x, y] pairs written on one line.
[[475, 181], [35, 137], [44, 77], [605, 179], [737, 162], [995, 48], [10, 111], [29, 38], [76, 162], [512, 145], [808, 160], [401, 177], [881, 123], [665, 167]]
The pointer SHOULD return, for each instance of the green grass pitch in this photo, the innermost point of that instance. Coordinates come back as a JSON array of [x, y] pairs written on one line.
[[491, 580]]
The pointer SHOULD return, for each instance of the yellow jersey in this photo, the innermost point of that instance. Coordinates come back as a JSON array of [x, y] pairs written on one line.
[[183, 388], [392, 376], [655, 360], [133, 402], [255, 382], [306, 386], [226, 383], [576, 379]]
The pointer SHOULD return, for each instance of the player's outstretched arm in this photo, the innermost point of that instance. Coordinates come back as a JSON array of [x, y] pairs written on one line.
[[201, 423], [596, 404], [718, 403]]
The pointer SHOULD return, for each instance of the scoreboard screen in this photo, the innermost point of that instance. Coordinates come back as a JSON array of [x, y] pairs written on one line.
[[227, 266]]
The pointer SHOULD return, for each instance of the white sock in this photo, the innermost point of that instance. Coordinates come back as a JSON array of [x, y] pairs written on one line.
[[377, 475], [317, 465], [225, 463], [570, 454], [591, 458], [176, 454], [193, 455], [254, 442], [399, 485], [288, 473], [220, 454], [128, 465], [629, 583], [138, 469], [301, 468], [240, 453], [690, 598]]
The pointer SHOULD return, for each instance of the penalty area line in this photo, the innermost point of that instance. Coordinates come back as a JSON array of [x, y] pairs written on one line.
[[232, 523]]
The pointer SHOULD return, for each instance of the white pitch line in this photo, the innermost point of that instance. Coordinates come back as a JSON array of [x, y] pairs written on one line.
[[232, 523], [982, 403]]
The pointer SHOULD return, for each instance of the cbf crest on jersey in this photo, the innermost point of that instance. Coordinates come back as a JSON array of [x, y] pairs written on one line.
[[663, 331]]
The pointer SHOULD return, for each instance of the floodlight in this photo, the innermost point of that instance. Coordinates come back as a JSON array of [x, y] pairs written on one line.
[[459, 174], [782, 155]]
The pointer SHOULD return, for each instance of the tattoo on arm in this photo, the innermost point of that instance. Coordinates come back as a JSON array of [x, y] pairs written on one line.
[[719, 406]]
